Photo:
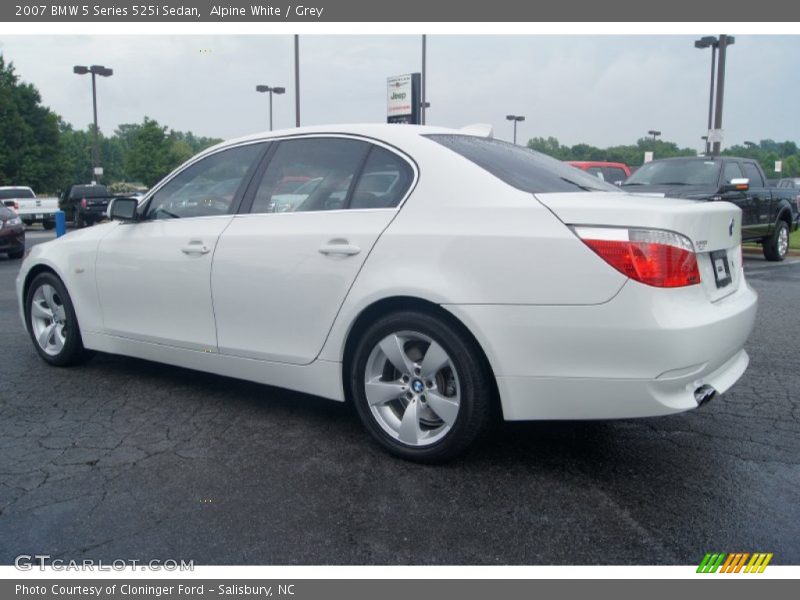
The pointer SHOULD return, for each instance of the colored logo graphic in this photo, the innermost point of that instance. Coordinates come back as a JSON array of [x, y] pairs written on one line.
[[734, 562]]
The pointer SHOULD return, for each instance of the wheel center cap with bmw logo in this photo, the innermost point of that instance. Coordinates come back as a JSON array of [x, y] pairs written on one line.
[[418, 386]]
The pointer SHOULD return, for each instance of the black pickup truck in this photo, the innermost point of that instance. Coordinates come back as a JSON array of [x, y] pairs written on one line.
[[85, 204], [769, 214]]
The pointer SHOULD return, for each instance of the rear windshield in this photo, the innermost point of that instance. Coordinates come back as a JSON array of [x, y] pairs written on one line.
[[88, 191], [8, 194], [521, 167], [676, 172]]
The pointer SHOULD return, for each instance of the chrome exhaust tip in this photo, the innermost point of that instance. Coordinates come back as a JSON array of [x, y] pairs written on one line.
[[703, 394]]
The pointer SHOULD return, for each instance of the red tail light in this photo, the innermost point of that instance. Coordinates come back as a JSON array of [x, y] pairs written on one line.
[[658, 258], [16, 205], [84, 204]]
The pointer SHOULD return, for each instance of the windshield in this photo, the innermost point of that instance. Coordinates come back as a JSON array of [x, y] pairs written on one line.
[[521, 167], [10, 193], [676, 172]]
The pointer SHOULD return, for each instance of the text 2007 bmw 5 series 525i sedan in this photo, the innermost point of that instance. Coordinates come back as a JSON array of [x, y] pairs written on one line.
[[430, 276]]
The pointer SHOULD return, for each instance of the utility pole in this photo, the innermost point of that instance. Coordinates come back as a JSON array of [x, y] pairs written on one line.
[[724, 41], [297, 80]]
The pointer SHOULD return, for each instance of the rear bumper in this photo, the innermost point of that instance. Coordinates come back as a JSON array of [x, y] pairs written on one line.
[[644, 353]]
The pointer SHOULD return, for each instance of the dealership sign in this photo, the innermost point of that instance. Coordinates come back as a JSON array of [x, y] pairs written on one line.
[[402, 98]]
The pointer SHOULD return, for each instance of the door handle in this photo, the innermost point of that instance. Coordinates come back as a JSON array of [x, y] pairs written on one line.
[[196, 247], [339, 246]]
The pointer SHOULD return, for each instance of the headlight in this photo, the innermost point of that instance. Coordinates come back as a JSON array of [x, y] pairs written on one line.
[[14, 221]]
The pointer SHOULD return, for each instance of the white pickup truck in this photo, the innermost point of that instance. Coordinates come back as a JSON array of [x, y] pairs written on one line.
[[30, 209]]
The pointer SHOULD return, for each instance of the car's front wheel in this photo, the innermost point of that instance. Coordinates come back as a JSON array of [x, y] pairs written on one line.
[[420, 386], [51, 321]]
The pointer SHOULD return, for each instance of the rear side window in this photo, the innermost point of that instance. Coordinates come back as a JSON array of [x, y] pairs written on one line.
[[88, 191], [384, 181], [522, 168], [753, 174], [16, 193]]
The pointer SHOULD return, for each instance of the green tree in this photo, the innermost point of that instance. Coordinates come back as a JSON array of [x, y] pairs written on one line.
[[31, 152]]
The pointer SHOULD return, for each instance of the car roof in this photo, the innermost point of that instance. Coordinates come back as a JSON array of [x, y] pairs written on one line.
[[392, 134], [15, 187]]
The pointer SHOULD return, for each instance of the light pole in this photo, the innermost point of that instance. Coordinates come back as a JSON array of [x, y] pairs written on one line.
[[423, 103], [709, 41], [297, 80], [516, 119], [654, 133], [103, 72], [270, 90], [724, 42]]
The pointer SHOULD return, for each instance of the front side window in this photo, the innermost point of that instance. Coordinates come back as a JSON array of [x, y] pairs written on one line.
[[753, 174], [207, 187], [325, 166], [732, 171]]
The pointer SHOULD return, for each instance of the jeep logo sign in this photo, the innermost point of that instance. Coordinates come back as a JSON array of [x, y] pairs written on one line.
[[399, 96]]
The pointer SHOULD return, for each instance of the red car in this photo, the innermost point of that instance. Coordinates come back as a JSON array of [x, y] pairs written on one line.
[[12, 233], [611, 172]]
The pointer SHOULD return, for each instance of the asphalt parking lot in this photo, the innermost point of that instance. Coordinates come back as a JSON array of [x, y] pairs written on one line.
[[126, 459]]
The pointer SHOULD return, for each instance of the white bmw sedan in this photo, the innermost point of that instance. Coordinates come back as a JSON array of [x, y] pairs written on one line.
[[487, 279]]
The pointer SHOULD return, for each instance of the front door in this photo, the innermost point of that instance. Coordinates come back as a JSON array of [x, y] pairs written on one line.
[[153, 275]]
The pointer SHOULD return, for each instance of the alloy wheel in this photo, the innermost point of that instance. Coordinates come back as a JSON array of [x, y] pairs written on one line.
[[412, 388], [48, 319], [783, 241]]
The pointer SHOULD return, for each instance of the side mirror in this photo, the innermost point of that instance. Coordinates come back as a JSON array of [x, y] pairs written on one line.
[[736, 185], [123, 209]]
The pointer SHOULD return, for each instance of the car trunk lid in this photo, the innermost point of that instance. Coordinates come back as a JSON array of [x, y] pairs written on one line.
[[714, 228]]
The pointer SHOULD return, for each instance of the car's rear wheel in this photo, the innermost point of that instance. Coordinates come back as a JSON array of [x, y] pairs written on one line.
[[51, 322], [420, 386], [48, 225], [776, 246]]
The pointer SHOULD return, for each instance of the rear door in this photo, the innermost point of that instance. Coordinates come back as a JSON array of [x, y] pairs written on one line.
[[285, 264]]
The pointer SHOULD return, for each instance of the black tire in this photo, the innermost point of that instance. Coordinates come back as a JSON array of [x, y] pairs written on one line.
[[16, 255], [79, 220], [476, 398], [48, 225], [72, 352], [772, 245]]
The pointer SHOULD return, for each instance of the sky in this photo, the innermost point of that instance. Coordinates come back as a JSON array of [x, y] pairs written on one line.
[[602, 90]]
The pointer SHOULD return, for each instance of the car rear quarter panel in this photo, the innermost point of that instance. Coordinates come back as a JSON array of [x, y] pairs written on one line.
[[465, 237]]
